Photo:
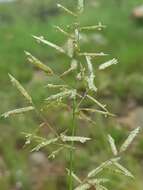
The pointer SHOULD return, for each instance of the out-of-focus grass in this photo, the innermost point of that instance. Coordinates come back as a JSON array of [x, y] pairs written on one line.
[[122, 39]]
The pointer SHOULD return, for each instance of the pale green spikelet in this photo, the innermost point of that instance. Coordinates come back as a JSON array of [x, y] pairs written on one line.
[[123, 170], [36, 62], [42, 40], [112, 145], [18, 111], [102, 166], [67, 10], [90, 78], [129, 140], [22, 90], [108, 64], [74, 138]]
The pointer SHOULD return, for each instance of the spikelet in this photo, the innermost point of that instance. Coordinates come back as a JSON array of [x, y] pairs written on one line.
[[38, 63], [72, 68], [61, 95], [41, 39], [44, 143], [74, 138], [123, 170], [90, 78], [90, 183], [30, 137], [20, 88], [108, 64], [101, 187], [84, 186], [70, 47], [92, 54], [99, 27], [97, 111], [80, 6], [67, 10], [64, 32], [74, 176], [18, 111], [98, 103], [81, 74], [56, 86], [54, 153], [77, 35], [102, 166], [129, 140], [112, 145]]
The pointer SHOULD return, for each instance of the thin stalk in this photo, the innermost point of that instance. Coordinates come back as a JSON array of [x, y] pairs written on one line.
[[72, 145], [74, 107]]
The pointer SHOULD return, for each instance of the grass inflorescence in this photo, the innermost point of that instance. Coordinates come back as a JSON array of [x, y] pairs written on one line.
[[82, 70]]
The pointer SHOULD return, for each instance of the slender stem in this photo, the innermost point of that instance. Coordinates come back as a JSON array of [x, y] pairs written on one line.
[[72, 145]]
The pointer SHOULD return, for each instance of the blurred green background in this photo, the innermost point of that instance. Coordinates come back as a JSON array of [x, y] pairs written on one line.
[[121, 87]]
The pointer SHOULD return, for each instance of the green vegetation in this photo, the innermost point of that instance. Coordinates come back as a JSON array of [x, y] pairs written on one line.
[[121, 39]]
